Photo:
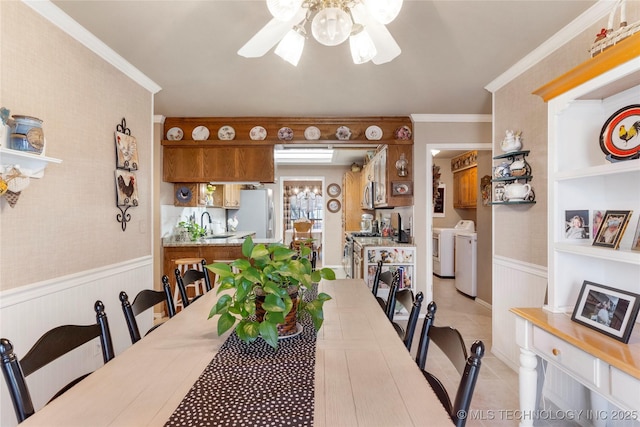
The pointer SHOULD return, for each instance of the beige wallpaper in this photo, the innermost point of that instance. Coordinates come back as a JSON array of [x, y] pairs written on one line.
[[66, 222], [522, 230]]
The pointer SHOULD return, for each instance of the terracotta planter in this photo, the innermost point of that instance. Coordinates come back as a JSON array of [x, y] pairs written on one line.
[[289, 327]]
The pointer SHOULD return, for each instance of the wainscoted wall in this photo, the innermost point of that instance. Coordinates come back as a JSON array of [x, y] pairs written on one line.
[[29, 311], [515, 284]]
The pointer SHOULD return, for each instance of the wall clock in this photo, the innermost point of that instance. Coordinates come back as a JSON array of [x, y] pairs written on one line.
[[333, 205], [334, 190]]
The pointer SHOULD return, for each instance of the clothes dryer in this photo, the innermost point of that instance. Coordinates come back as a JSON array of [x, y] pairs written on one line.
[[444, 248]]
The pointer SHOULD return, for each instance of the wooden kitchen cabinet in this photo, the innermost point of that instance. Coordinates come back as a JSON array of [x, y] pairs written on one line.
[[351, 195], [204, 161], [465, 191], [232, 196], [381, 170]]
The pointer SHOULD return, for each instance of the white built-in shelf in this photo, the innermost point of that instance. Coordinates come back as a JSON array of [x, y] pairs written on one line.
[[587, 250], [31, 165], [622, 167]]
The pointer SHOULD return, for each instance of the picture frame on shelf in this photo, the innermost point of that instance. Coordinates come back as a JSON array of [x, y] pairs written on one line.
[[610, 311], [635, 246], [612, 228], [576, 224], [596, 219]]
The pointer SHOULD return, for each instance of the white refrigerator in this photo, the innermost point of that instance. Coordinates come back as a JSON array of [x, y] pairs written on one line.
[[255, 213]]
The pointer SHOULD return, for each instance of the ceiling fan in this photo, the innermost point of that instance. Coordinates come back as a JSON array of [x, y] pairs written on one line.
[[363, 22]]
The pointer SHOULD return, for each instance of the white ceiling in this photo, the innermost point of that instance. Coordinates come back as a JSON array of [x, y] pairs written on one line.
[[451, 49]]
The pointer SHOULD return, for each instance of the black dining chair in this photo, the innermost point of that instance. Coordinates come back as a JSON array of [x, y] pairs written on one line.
[[191, 278], [450, 341], [53, 344], [386, 278], [144, 300], [416, 304], [390, 305]]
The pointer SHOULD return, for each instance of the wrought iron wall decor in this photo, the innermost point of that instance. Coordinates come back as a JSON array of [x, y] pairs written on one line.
[[125, 178]]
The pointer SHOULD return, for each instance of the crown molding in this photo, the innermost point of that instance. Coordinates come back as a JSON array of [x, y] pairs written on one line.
[[589, 17], [451, 118], [57, 17]]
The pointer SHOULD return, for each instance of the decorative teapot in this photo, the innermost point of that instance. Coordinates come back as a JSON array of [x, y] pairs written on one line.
[[516, 191], [512, 141]]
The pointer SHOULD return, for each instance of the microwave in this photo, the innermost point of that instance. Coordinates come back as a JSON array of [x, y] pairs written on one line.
[[368, 195]]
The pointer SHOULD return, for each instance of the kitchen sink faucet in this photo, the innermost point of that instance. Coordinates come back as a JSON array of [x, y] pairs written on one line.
[[202, 219]]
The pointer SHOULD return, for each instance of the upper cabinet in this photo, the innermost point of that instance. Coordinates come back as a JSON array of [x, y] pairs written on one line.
[[390, 188], [465, 180], [587, 110], [198, 161], [241, 149]]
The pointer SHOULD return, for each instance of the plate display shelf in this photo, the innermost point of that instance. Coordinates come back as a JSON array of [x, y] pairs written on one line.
[[511, 157], [581, 178], [31, 165]]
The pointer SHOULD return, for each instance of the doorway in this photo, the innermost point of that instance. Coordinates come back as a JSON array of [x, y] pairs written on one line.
[[458, 148], [303, 198]]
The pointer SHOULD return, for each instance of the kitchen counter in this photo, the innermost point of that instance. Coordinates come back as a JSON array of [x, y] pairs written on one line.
[[233, 240]]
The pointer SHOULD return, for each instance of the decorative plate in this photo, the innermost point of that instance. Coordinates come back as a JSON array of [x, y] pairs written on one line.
[[184, 194], [343, 133], [373, 133], [334, 190], [200, 133], [312, 133], [226, 133], [620, 135], [285, 134], [258, 133], [175, 134], [333, 205], [403, 133]]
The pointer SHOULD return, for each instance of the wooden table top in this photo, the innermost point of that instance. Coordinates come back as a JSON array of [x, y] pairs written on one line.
[[625, 357], [364, 375]]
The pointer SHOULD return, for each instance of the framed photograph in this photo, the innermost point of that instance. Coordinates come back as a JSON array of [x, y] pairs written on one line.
[[635, 246], [576, 224], [596, 220], [612, 228], [439, 202], [610, 311]]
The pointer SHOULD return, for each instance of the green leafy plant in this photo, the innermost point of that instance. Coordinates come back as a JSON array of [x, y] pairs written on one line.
[[195, 231], [271, 271]]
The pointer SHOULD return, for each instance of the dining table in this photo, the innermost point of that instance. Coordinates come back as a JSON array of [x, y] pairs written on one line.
[[362, 373]]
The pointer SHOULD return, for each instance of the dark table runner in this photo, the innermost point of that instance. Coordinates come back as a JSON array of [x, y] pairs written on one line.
[[254, 385]]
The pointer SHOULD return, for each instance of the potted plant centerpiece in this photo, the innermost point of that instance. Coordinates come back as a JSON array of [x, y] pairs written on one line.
[[267, 286]]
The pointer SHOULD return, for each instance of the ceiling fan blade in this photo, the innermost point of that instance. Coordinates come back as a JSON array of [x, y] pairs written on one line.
[[386, 45], [269, 36]]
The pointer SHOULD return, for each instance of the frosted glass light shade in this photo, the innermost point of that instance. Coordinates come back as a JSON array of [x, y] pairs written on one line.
[[291, 46], [384, 11], [362, 47], [284, 10], [331, 26]]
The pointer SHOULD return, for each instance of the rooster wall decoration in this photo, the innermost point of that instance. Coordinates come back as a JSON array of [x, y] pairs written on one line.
[[126, 161]]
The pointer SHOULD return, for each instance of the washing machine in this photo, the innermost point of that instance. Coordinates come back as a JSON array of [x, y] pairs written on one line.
[[444, 248]]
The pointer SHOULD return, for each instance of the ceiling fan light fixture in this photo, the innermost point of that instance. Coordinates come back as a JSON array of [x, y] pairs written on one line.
[[331, 26], [284, 10], [384, 11], [362, 47], [291, 46]]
